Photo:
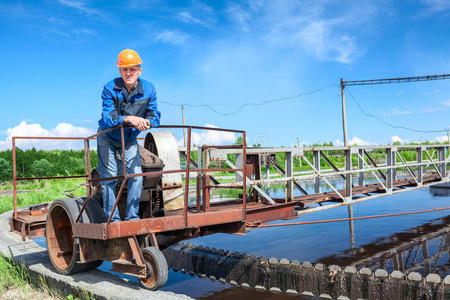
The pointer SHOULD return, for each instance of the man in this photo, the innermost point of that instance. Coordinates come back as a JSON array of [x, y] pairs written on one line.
[[127, 100]]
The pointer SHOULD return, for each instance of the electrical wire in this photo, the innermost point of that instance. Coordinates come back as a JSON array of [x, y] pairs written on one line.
[[252, 103], [261, 103], [387, 123]]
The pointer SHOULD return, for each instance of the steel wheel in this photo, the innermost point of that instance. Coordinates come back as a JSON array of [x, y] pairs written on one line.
[[61, 245], [156, 267]]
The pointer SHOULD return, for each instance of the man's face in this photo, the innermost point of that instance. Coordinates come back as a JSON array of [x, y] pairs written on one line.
[[130, 75]]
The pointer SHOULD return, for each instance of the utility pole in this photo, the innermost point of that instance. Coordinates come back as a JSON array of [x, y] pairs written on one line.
[[184, 129], [383, 81], [344, 115], [448, 135], [298, 146]]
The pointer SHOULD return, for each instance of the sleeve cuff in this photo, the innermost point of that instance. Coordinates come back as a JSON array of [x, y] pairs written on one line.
[[121, 119]]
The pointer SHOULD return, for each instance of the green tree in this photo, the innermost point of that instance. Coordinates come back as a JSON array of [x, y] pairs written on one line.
[[238, 141], [41, 168], [5, 170]]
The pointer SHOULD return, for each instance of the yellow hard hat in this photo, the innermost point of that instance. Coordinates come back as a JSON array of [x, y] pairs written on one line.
[[128, 58]]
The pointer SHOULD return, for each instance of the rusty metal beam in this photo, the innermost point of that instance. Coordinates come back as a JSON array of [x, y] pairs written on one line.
[[115, 230]]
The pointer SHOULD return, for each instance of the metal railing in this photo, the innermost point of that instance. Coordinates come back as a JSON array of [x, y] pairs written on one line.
[[358, 163], [429, 167], [124, 176]]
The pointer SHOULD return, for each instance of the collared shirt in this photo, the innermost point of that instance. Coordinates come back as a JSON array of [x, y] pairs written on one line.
[[117, 103]]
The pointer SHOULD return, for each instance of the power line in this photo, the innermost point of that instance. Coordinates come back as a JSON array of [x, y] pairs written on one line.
[[396, 80], [251, 103], [387, 123]]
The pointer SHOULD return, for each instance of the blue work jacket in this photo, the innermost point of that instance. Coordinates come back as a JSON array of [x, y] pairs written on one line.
[[119, 103]]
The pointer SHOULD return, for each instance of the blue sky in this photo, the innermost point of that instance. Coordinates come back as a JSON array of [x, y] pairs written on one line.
[[57, 55]]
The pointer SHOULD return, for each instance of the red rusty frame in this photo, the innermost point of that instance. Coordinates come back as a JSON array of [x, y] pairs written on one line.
[[30, 222], [125, 176], [105, 231], [197, 220], [24, 219]]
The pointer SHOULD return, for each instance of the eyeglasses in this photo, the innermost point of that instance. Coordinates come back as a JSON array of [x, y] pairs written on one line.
[[132, 70]]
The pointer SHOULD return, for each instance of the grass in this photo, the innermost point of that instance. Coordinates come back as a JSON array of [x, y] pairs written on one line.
[[12, 274], [15, 280], [40, 191], [16, 283]]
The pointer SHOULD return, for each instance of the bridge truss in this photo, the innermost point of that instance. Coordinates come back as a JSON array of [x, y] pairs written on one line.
[[340, 175]]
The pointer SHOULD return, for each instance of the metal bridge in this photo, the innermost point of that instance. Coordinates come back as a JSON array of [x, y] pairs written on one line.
[[369, 172]]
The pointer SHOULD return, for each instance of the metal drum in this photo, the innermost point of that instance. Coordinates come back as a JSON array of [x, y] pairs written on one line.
[[164, 145]]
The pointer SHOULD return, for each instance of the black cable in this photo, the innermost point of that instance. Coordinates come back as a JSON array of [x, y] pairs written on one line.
[[252, 103], [386, 123]]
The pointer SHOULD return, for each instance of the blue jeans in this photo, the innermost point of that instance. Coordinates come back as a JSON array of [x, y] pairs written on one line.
[[110, 166]]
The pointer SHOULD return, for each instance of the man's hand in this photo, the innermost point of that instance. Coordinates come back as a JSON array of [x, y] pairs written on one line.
[[138, 122]]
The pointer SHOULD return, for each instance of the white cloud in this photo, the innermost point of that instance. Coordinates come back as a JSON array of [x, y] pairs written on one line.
[[186, 17], [326, 45], [399, 93], [441, 139], [36, 130], [397, 139], [357, 141], [84, 31], [354, 141], [446, 103], [338, 142], [239, 15], [197, 13], [311, 26], [79, 5], [397, 111], [210, 137], [172, 37], [436, 5], [433, 109], [144, 4]]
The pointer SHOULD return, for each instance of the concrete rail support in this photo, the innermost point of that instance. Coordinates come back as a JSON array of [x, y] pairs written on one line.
[[389, 171], [289, 173], [317, 181], [441, 157], [361, 167], [348, 177], [394, 162], [420, 167], [306, 279]]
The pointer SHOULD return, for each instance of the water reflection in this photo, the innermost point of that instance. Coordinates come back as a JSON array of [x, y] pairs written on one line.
[[440, 190], [424, 249]]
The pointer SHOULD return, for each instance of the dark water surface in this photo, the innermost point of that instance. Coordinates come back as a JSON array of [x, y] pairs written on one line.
[[333, 243]]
